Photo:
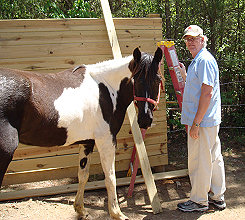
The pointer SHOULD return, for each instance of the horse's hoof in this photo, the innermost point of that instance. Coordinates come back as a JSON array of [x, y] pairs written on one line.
[[84, 217], [82, 213]]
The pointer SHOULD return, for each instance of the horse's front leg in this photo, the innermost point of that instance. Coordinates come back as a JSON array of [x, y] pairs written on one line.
[[83, 175], [106, 150]]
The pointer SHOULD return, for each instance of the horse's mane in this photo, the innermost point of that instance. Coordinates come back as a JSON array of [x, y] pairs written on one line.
[[109, 65], [142, 67]]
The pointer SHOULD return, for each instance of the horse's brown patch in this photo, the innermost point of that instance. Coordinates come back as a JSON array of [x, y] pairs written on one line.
[[38, 119]]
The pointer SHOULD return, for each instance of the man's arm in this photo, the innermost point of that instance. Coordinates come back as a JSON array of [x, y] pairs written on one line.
[[204, 101]]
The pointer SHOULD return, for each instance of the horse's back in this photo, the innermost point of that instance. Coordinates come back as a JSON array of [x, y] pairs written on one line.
[[14, 91], [26, 103], [12, 82], [31, 96]]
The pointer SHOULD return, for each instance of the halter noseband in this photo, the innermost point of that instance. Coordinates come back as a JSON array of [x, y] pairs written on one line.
[[152, 101]]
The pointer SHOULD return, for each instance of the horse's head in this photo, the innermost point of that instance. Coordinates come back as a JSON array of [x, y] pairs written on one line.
[[146, 77]]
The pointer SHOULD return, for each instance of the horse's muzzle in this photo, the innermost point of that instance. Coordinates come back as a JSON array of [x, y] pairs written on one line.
[[145, 119]]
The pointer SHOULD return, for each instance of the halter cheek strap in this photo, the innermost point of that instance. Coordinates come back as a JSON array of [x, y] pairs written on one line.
[[152, 101]]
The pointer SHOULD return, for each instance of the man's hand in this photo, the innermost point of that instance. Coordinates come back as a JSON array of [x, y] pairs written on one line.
[[194, 132], [182, 70]]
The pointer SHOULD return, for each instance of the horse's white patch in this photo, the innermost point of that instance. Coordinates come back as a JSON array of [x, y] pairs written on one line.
[[110, 73], [78, 110]]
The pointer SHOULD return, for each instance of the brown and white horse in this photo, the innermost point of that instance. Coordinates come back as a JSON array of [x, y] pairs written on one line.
[[84, 105]]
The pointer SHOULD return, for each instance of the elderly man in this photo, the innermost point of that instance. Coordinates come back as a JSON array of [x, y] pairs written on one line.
[[201, 111]]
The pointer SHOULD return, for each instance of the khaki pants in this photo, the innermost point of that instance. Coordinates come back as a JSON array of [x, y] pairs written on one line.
[[206, 166]]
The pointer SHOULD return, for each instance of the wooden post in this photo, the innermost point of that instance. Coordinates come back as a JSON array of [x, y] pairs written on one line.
[[111, 29], [139, 143]]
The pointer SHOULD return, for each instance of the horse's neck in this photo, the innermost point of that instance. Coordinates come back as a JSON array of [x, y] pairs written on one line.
[[110, 72]]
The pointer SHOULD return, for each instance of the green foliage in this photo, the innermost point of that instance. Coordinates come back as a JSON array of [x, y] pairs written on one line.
[[52, 9], [134, 8], [81, 9], [16, 9], [173, 119]]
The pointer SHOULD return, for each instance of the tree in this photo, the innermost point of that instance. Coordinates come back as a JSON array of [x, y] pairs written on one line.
[[16, 9]]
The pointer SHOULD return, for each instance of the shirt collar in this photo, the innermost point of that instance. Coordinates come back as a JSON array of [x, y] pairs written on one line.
[[198, 54]]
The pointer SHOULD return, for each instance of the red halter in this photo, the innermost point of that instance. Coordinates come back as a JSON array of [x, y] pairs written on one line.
[[144, 99]]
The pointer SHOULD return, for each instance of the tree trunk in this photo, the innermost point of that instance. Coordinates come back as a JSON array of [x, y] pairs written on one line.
[[177, 22], [167, 20]]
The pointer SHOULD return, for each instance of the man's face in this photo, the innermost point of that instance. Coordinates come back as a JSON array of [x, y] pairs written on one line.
[[194, 44]]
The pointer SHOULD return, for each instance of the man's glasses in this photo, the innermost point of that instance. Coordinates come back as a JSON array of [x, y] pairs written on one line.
[[190, 39]]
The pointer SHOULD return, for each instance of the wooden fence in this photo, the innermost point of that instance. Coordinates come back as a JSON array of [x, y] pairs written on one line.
[[52, 45]]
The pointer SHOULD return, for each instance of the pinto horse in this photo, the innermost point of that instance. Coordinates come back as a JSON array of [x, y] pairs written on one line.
[[84, 105]]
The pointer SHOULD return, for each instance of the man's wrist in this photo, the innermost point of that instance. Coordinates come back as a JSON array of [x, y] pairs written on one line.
[[197, 125]]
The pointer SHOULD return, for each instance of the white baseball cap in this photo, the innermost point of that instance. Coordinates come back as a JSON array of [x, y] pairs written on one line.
[[193, 30]]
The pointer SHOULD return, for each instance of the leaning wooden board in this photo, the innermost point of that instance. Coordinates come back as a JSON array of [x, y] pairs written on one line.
[[132, 115]]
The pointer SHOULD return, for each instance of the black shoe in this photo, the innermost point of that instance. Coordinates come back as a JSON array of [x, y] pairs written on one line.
[[218, 204], [191, 206]]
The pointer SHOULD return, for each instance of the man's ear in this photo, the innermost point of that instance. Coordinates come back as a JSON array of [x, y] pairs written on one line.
[[202, 39]]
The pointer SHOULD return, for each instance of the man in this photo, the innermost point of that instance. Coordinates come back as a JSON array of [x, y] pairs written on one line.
[[201, 111]]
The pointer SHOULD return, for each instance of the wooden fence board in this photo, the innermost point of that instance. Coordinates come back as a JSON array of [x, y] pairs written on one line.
[[51, 64], [24, 25], [52, 37], [24, 152], [43, 174], [71, 172], [72, 49], [68, 160], [44, 64]]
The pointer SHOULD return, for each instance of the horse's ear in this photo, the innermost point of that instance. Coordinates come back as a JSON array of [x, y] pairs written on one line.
[[158, 55], [137, 54]]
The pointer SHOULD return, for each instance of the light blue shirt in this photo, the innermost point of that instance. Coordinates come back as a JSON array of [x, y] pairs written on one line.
[[203, 69]]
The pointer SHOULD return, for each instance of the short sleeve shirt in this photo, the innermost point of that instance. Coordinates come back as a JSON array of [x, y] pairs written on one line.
[[202, 70]]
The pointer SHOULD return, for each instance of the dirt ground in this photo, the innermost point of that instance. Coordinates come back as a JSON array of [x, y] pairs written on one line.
[[171, 192]]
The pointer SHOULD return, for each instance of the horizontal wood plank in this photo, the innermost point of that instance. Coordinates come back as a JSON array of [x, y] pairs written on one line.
[[44, 64], [26, 25], [25, 152], [126, 129], [92, 36], [62, 161], [72, 49], [70, 172]]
